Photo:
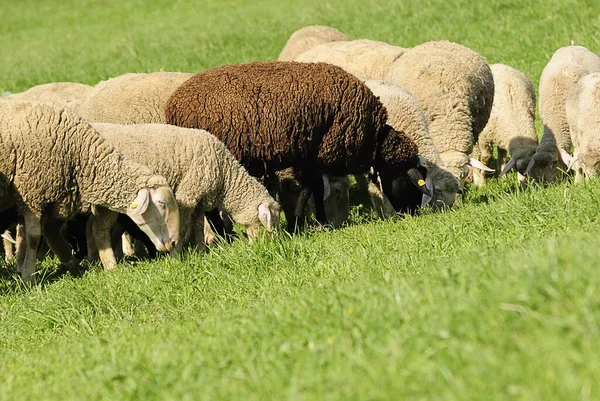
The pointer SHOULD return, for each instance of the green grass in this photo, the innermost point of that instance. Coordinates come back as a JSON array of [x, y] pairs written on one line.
[[499, 299]]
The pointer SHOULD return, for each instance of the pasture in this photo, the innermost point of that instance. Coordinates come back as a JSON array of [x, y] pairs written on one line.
[[498, 299]]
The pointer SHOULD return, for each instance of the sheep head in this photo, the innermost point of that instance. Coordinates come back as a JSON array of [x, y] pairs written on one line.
[[267, 217], [156, 212]]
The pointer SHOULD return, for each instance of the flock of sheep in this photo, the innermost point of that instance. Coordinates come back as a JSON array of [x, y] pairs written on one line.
[[170, 157]]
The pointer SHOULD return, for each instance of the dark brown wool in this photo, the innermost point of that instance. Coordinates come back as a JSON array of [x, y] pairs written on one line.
[[274, 115]]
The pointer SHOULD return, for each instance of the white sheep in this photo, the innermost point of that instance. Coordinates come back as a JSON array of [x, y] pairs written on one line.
[[308, 37], [567, 65], [68, 94], [202, 172], [56, 165], [583, 117], [455, 87], [511, 125], [363, 58], [132, 98]]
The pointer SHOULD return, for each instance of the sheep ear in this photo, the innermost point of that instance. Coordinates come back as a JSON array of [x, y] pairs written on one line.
[[529, 166], [140, 204], [573, 160], [566, 157], [477, 164], [423, 162], [417, 179], [326, 187], [509, 166], [265, 217], [427, 198]]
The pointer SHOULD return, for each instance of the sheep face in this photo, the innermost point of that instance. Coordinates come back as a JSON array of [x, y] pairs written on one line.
[[586, 159], [155, 211], [544, 166], [405, 191], [267, 218], [445, 189]]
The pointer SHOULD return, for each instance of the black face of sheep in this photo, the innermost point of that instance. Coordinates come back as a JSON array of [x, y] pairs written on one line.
[[399, 167]]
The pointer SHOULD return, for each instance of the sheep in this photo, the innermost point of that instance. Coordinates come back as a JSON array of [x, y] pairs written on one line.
[[131, 98], [406, 115], [202, 172], [56, 165], [582, 110], [314, 117], [69, 94], [308, 37], [365, 59], [567, 65], [511, 125], [455, 87]]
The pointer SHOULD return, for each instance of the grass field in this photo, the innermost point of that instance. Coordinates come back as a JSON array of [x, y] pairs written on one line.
[[499, 299]]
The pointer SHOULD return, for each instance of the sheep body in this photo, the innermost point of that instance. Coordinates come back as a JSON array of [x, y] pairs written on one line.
[[511, 125], [583, 117], [314, 117], [132, 98], [455, 87], [363, 58], [567, 65], [56, 165], [204, 175], [308, 37]]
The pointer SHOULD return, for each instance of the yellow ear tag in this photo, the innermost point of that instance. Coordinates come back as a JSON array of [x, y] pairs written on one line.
[[134, 205], [421, 183]]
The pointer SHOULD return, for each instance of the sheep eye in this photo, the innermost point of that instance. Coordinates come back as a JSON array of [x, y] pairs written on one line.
[[162, 203]]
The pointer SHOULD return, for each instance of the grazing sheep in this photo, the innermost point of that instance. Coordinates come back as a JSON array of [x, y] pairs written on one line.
[[455, 87], [583, 116], [565, 68], [363, 58], [308, 37], [132, 98], [316, 118], [406, 115], [511, 125], [68, 94], [202, 172], [56, 165]]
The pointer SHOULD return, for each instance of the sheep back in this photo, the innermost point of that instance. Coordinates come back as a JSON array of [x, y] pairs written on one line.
[[274, 115], [132, 98], [365, 59], [308, 37], [454, 86], [69, 94]]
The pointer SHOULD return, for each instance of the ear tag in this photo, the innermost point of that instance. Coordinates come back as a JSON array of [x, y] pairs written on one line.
[[134, 205], [421, 183]]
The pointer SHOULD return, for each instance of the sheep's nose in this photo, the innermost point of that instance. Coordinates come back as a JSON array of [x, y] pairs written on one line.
[[173, 244]]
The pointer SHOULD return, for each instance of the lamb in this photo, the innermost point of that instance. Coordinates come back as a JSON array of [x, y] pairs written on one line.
[[511, 125], [365, 59], [314, 117], [202, 172], [132, 98], [56, 165], [308, 37], [567, 65], [68, 94], [455, 87], [406, 115], [583, 117]]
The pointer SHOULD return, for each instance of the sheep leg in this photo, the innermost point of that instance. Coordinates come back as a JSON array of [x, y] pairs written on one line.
[[216, 223], [33, 234], [102, 223], [9, 251], [185, 220], [501, 161], [198, 227], [52, 234], [315, 183], [303, 198], [20, 246], [137, 234], [92, 249]]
